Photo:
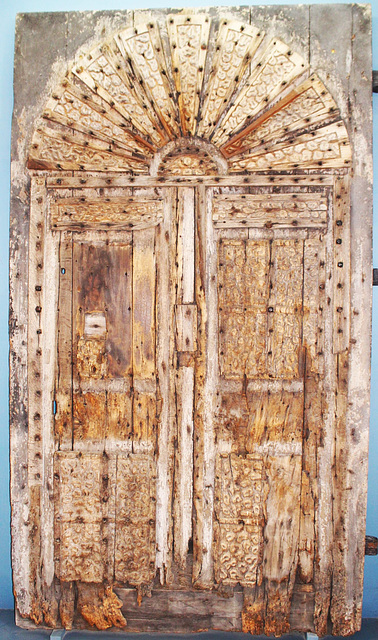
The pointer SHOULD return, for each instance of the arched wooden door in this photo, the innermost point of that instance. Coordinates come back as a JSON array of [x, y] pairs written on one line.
[[189, 317]]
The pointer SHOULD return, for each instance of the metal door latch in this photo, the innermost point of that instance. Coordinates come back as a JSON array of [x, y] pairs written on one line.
[[371, 546]]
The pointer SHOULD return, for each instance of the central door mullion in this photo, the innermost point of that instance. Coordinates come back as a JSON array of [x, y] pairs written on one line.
[[185, 345], [206, 383]]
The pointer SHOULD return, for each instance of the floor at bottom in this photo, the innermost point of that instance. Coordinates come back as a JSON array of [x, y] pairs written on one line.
[[9, 630]]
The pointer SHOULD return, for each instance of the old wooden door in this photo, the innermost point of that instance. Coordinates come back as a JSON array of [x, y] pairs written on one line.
[[196, 384], [111, 299], [189, 387]]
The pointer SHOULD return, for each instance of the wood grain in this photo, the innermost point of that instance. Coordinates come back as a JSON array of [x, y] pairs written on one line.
[[197, 368], [144, 304], [63, 416]]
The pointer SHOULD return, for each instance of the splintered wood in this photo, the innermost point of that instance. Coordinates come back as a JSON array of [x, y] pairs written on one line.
[[190, 333]]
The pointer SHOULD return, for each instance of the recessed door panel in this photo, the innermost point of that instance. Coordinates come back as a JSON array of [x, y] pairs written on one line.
[[108, 282]]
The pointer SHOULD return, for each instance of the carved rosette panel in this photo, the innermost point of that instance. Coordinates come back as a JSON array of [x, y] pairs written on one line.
[[105, 517], [239, 512], [135, 517], [84, 516]]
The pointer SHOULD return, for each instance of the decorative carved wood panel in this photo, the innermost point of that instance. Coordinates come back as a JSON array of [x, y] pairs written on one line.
[[194, 430]]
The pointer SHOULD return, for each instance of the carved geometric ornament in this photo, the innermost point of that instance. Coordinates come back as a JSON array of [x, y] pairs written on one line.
[[253, 98], [189, 328]]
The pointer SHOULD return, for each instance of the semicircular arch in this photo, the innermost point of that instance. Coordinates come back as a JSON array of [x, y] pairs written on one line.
[[252, 98]]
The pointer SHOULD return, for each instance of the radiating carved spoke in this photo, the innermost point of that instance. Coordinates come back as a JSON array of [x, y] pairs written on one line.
[[143, 47], [235, 46], [303, 107], [325, 147], [189, 37], [271, 72]]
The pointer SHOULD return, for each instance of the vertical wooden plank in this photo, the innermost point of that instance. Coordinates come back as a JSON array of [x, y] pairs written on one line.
[[184, 464], [144, 303], [119, 426], [35, 389], [36, 274], [314, 304], [63, 416], [187, 197], [281, 552], [331, 58], [323, 561], [165, 304], [341, 279], [118, 343], [50, 311], [27, 93], [118, 300], [341, 615], [309, 493], [357, 427], [91, 263], [144, 421], [18, 416], [206, 399], [186, 327]]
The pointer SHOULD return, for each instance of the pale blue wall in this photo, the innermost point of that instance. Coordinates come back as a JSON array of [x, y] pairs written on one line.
[[8, 10]]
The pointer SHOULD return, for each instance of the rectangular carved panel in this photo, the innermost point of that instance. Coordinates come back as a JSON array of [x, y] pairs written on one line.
[[285, 309], [260, 308], [84, 516], [135, 519], [239, 501], [130, 213], [270, 210]]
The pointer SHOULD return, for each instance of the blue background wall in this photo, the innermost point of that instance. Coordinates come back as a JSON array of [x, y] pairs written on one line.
[[8, 10]]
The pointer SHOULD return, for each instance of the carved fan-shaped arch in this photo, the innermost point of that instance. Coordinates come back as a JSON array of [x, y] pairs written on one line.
[[250, 97]]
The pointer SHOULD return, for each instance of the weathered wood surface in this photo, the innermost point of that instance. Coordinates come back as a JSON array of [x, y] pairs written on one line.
[[197, 293], [191, 88], [130, 214]]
